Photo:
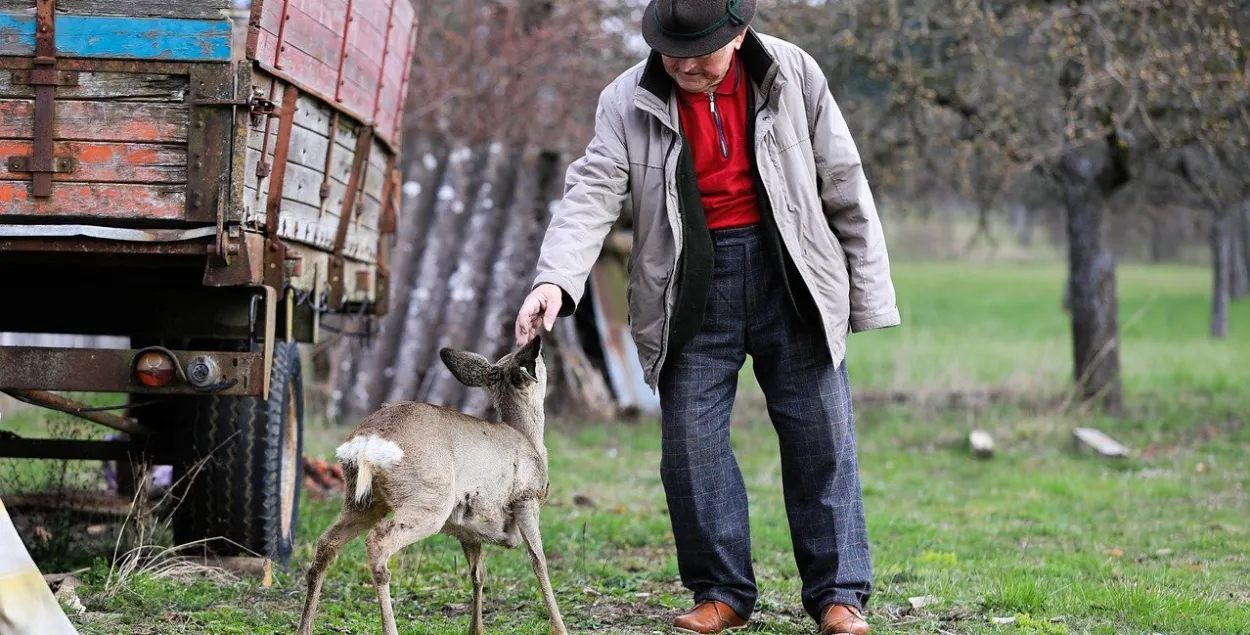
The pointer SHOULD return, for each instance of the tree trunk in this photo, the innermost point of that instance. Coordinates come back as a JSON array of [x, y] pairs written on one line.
[[1158, 239], [1022, 219], [1222, 264], [423, 170], [499, 311], [428, 293], [1092, 290], [537, 184], [1240, 257], [462, 310]]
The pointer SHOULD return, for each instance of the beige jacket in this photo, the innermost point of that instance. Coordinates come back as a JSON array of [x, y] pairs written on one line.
[[810, 169]]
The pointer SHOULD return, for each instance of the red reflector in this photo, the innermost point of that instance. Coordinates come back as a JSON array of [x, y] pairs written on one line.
[[154, 369]]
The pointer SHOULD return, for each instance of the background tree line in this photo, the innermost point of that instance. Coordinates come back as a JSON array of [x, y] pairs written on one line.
[[1118, 128]]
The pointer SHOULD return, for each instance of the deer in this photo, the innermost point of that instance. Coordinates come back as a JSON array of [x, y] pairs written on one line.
[[442, 471]]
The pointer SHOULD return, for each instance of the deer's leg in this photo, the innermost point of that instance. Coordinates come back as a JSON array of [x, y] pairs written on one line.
[[477, 572], [387, 538], [527, 521], [350, 523]]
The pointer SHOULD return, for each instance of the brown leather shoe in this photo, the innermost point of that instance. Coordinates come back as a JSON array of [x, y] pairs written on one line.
[[709, 616], [841, 619]]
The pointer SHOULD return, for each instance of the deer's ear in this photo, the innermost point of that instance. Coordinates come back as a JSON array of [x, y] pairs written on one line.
[[469, 368], [527, 357]]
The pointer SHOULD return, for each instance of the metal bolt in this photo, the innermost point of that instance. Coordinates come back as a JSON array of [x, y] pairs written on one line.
[[202, 371]]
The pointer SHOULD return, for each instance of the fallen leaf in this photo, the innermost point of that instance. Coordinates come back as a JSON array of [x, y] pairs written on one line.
[[96, 530], [1116, 553], [1003, 620], [1163, 552], [1201, 468]]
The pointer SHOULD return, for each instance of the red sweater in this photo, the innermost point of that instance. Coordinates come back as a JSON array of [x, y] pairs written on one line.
[[716, 129]]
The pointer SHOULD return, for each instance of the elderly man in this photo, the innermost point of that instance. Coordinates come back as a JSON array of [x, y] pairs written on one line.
[[754, 234]]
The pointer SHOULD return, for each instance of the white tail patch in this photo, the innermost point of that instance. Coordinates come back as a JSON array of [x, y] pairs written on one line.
[[367, 452]]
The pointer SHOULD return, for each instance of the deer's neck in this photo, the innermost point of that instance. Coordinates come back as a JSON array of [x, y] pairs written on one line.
[[527, 419]]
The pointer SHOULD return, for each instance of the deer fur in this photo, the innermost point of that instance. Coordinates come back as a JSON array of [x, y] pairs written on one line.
[[439, 470]]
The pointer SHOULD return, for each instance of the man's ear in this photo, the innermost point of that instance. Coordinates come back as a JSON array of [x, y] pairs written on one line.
[[469, 368]]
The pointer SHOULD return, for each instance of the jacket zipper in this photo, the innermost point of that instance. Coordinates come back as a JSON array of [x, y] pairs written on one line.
[[720, 131], [659, 359]]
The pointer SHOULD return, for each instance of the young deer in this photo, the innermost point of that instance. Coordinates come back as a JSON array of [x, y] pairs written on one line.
[[443, 471]]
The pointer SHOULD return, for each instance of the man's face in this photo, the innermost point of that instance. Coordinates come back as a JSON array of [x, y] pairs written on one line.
[[701, 74]]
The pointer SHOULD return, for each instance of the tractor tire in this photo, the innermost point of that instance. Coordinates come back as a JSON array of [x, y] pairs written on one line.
[[244, 468]]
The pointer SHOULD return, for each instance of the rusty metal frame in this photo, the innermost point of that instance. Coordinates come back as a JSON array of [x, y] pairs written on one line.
[[336, 277], [347, 29], [209, 142], [280, 46], [281, 151], [387, 225], [82, 245], [386, 49], [45, 77], [329, 164], [69, 449], [109, 370], [69, 406]]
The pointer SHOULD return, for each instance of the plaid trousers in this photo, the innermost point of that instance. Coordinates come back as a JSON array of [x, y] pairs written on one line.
[[748, 312]]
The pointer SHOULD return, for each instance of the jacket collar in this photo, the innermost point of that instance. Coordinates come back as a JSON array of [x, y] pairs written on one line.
[[657, 87]]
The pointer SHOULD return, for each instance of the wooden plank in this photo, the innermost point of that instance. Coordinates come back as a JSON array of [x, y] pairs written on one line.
[[99, 121], [298, 221], [145, 8], [17, 33], [95, 200], [144, 38], [270, 17], [366, 46], [108, 162], [331, 13], [296, 63], [308, 149], [318, 38], [104, 85], [123, 37], [311, 48], [376, 13]]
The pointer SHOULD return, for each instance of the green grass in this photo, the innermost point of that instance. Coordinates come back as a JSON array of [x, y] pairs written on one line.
[[1062, 541]]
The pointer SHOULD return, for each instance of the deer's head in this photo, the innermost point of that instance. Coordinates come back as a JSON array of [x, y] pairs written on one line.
[[517, 382]]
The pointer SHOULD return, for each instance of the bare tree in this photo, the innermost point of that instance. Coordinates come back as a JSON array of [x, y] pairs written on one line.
[[1082, 93]]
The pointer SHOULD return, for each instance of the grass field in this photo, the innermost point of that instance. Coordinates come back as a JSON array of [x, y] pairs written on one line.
[[1062, 541]]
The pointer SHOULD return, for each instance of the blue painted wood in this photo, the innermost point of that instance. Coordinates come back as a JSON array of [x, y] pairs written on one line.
[[122, 37]]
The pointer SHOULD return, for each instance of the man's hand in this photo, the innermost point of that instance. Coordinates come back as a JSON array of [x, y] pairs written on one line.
[[541, 305]]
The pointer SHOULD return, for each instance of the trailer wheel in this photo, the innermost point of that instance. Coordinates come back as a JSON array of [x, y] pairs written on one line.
[[244, 469]]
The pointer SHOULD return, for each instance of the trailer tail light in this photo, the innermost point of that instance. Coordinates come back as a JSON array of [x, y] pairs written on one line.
[[154, 368]]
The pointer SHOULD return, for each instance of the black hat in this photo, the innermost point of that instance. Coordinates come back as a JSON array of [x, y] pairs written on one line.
[[693, 28]]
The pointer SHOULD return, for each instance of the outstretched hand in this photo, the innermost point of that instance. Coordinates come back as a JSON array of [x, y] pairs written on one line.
[[541, 306]]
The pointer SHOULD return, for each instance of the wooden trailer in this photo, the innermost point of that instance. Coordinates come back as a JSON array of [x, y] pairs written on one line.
[[207, 178]]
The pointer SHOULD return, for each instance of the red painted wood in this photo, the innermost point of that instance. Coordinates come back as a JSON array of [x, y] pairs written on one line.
[[95, 200], [386, 54], [364, 73], [318, 39], [105, 162], [270, 18], [99, 121]]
